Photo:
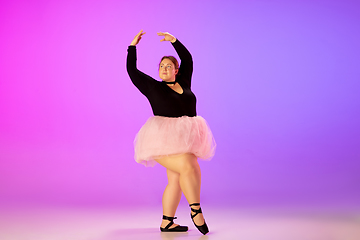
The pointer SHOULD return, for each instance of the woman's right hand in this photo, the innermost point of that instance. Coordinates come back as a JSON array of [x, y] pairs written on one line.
[[137, 38]]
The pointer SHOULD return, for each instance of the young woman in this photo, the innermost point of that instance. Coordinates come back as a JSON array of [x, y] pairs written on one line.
[[175, 136]]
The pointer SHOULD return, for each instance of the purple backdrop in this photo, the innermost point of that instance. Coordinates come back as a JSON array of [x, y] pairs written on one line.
[[278, 82]]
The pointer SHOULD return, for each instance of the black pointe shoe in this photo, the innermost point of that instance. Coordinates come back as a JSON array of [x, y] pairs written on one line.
[[203, 228], [174, 229]]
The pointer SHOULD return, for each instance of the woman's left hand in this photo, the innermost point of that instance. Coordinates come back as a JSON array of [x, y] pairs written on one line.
[[167, 37]]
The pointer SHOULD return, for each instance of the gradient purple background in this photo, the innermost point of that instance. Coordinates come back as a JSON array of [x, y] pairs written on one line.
[[278, 82]]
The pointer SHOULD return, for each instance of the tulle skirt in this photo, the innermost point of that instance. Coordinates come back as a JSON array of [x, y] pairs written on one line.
[[164, 136]]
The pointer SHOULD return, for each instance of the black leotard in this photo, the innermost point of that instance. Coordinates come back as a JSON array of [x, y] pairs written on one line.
[[163, 100]]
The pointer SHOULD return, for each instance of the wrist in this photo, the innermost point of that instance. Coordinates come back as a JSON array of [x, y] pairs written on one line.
[[174, 40]]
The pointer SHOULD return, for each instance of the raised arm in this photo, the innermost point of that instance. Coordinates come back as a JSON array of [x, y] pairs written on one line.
[[186, 66], [137, 38], [142, 81]]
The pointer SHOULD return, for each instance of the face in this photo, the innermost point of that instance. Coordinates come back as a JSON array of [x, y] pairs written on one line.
[[167, 71]]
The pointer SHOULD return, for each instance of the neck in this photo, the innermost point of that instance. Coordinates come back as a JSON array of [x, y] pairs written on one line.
[[169, 82]]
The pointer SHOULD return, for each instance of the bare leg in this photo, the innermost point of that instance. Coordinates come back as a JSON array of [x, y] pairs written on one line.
[[187, 166], [171, 197]]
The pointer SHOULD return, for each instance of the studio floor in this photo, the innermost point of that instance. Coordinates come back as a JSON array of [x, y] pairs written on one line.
[[133, 223]]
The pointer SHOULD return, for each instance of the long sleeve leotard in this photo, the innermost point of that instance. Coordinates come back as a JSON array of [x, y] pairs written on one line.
[[163, 100]]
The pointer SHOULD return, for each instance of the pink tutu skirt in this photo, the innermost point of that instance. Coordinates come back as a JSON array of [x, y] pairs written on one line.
[[164, 136]]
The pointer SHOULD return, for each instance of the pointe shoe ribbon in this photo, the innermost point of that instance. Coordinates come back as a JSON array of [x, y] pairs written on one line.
[[203, 228], [174, 229]]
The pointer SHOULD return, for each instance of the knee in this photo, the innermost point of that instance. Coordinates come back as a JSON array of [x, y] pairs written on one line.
[[190, 169], [174, 186]]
